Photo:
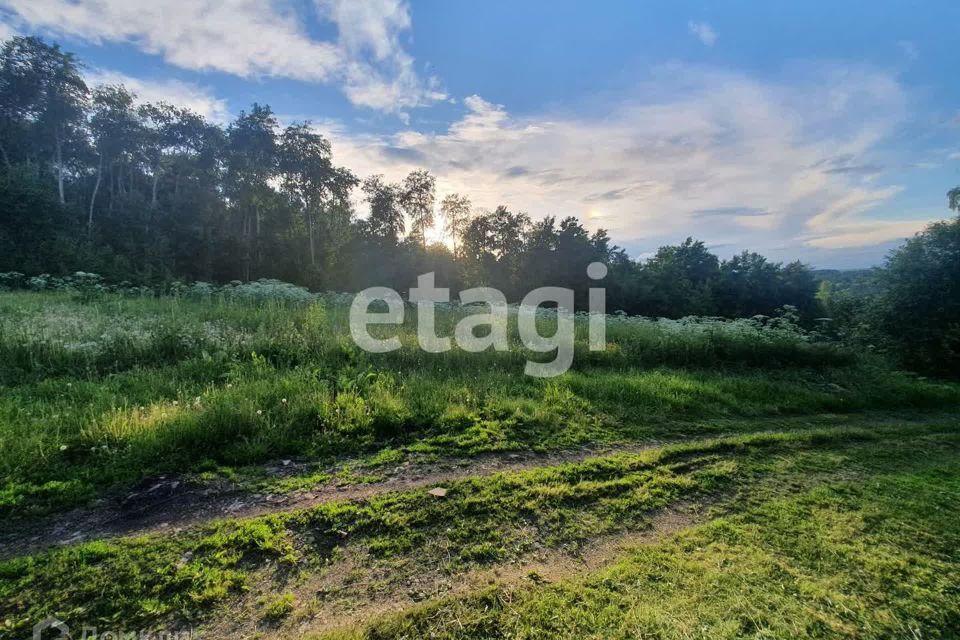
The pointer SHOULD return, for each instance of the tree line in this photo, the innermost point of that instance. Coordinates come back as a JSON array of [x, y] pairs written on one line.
[[92, 179]]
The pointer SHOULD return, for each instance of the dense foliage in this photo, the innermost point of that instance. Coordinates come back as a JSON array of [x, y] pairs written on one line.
[[919, 308]]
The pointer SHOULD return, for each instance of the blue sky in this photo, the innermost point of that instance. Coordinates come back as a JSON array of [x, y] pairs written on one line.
[[817, 130]]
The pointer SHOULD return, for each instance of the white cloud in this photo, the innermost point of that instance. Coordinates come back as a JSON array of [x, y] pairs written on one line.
[[371, 29], [853, 203], [734, 161], [371, 25], [252, 38], [6, 31], [182, 94], [865, 234], [703, 31]]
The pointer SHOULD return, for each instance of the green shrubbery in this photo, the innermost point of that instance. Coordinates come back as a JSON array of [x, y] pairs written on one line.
[[918, 311]]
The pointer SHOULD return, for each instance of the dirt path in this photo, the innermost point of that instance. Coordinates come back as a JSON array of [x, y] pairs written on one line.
[[167, 503]]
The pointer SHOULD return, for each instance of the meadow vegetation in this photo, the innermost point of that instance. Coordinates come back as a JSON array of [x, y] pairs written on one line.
[[104, 392]]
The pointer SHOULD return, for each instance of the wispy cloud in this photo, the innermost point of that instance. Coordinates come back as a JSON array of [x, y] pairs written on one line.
[[379, 72], [6, 31], [730, 211], [250, 38], [863, 234], [703, 31], [736, 161], [848, 163], [183, 94]]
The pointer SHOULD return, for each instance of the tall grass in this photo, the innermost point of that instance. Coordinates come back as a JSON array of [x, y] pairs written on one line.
[[102, 391], [50, 334]]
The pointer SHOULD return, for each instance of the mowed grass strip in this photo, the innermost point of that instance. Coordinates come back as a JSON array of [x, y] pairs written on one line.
[[482, 521], [877, 559]]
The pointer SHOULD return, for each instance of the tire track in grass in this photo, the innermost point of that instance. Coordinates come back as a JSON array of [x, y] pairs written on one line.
[[366, 600], [195, 506], [408, 527], [199, 505]]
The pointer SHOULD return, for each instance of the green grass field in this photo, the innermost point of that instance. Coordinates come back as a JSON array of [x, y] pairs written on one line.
[[697, 479]]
